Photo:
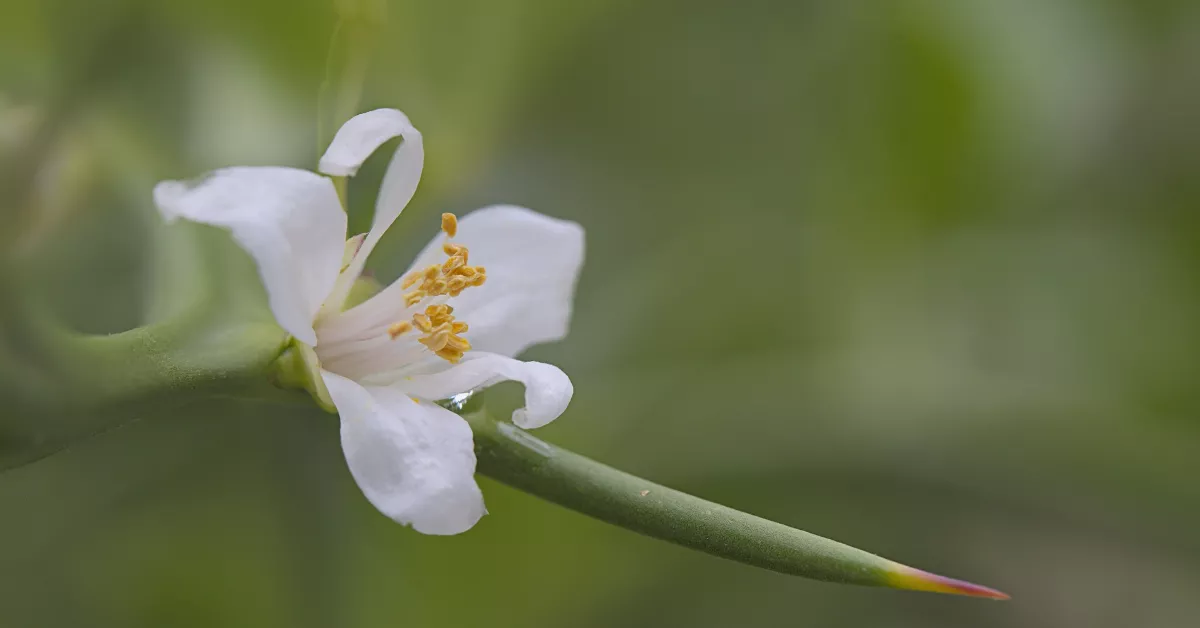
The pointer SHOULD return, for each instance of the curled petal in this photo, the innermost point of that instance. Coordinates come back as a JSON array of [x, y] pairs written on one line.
[[548, 390], [354, 142], [414, 461], [359, 137], [290, 221]]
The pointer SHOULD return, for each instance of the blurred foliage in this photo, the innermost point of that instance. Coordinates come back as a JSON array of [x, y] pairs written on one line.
[[921, 276]]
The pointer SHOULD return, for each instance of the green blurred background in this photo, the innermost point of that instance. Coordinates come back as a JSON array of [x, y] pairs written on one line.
[[921, 276]]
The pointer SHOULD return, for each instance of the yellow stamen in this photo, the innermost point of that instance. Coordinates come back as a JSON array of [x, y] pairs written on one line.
[[458, 343], [456, 284], [449, 355], [436, 312], [440, 332], [450, 224], [435, 341], [454, 263], [411, 278]]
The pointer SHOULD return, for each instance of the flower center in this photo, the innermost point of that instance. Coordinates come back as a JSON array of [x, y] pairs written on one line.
[[440, 332]]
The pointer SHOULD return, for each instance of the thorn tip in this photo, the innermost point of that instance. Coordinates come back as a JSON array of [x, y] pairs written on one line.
[[902, 577]]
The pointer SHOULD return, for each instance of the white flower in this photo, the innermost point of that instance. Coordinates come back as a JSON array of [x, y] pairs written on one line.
[[386, 361]]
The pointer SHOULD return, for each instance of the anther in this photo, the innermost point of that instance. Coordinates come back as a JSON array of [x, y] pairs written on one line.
[[440, 332], [457, 343], [455, 262], [436, 341], [449, 355], [450, 224]]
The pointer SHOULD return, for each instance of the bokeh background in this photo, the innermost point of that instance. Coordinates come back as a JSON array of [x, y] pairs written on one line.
[[921, 276]]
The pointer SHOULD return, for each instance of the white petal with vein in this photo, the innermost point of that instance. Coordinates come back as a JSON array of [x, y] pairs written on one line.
[[415, 462], [290, 221]]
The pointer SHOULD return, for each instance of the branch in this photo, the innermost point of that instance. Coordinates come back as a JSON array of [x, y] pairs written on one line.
[[510, 455]]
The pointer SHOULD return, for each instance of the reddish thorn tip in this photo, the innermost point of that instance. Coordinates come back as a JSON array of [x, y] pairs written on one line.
[[901, 577]]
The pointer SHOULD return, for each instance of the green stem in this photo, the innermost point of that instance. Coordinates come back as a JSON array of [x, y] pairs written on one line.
[[510, 455], [346, 66], [210, 334]]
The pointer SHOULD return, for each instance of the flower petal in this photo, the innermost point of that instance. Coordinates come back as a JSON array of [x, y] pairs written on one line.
[[415, 462], [290, 221], [532, 262], [354, 142], [547, 389]]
